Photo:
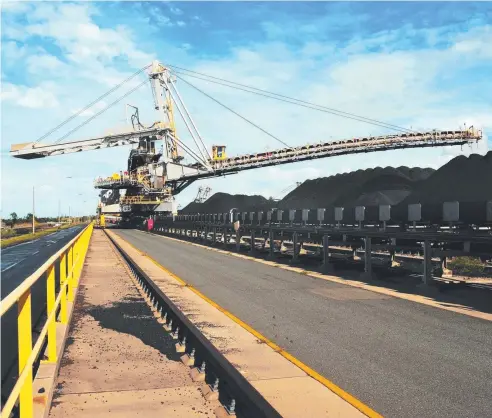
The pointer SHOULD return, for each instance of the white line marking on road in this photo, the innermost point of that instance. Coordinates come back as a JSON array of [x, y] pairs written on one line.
[[22, 243], [9, 267], [34, 253]]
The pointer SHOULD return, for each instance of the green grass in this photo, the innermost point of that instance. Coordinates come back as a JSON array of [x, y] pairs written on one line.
[[8, 233], [19, 239]]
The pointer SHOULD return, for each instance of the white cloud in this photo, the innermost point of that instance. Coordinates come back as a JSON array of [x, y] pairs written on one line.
[[42, 62], [90, 111], [176, 10], [12, 52], [72, 29], [14, 7], [477, 43], [35, 98], [162, 20]]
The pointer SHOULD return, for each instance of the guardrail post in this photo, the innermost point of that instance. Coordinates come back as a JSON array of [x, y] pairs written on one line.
[[76, 260], [50, 305], [295, 253], [25, 348], [367, 258], [326, 254], [272, 244], [70, 275], [226, 237], [63, 278], [238, 241], [253, 236], [427, 277]]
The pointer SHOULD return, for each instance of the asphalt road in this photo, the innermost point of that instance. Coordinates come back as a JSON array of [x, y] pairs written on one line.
[[21, 260], [401, 358], [17, 263]]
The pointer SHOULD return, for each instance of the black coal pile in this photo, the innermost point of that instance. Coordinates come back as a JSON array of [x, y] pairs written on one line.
[[376, 186], [463, 179], [223, 202], [467, 180]]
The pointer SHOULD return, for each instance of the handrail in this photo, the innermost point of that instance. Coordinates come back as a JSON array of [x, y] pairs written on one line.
[[70, 259], [9, 300]]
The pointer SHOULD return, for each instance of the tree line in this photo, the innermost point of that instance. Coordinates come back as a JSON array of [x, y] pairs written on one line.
[[15, 219]]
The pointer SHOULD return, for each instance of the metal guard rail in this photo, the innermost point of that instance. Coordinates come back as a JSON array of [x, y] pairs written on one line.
[[248, 401], [71, 256]]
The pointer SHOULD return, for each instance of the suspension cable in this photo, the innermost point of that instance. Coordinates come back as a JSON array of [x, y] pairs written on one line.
[[233, 111], [91, 104], [100, 112], [291, 100]]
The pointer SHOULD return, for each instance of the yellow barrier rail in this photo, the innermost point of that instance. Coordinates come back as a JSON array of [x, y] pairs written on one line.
[[70, 260]]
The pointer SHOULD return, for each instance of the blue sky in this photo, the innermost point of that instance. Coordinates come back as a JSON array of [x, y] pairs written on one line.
[[423, 65]]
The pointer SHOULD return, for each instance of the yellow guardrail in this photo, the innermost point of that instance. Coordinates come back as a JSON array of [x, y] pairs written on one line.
[[70, 260]]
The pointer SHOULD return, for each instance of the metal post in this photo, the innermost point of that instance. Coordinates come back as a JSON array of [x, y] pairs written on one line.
[[326, 254], [427, 277], [444, 263], [238, 239], [252, 249], [272, 244], [214, 235], [70, 275], [295, 255], [50, 306], [392, 257], [24, 334], [63, 289], [367, 258]]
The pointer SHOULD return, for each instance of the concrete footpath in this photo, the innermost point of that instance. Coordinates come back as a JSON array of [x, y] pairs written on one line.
[[118, 361]]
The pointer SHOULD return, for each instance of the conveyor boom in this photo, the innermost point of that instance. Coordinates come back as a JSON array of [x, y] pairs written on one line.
[[32, 150], [331, 149]]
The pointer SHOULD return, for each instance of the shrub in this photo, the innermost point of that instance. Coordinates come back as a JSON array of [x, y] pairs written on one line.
[[467, 266]]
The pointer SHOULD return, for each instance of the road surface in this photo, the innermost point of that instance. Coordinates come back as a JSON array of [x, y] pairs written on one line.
[[17, 263], [21, 260], [401, 358]]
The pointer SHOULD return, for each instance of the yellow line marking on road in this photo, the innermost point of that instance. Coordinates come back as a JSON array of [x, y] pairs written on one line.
[[423, 300], [366, 410]]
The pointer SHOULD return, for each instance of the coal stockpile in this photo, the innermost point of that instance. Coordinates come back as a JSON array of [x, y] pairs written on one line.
[[467, 180], [224, 202], [376, 186]]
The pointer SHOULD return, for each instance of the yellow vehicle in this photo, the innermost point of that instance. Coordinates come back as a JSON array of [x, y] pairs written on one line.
[[218, 152], [101, 222]]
